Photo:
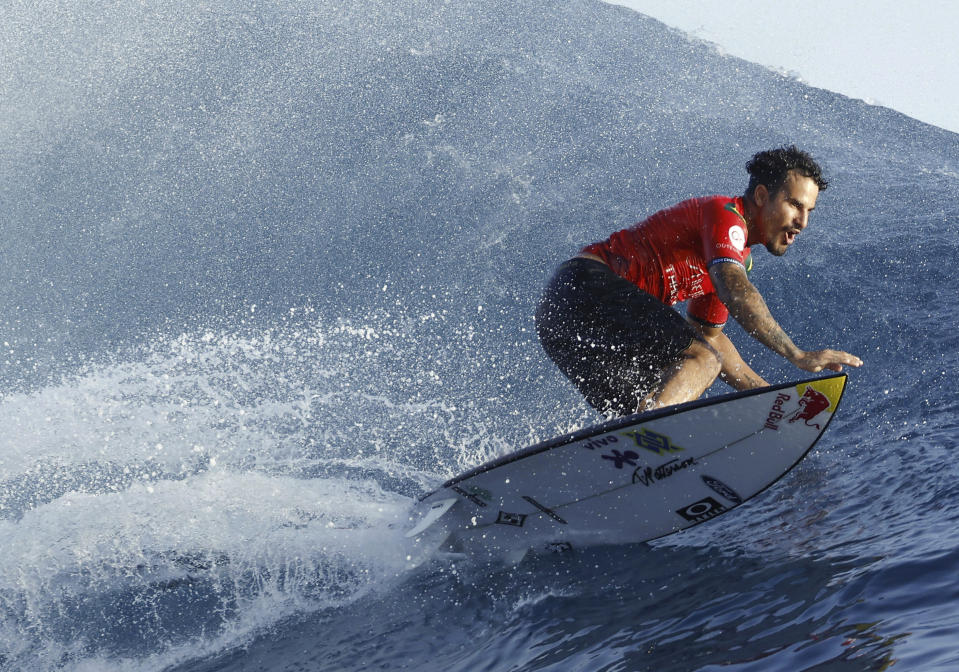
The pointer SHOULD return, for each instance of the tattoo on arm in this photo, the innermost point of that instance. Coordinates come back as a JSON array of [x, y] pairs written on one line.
[[747, 306]]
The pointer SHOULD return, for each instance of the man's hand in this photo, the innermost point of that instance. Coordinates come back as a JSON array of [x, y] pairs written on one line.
[[817, 360]]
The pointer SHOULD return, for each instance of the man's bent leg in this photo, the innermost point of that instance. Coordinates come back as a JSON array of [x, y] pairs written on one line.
[[616, 342], [687, 379]]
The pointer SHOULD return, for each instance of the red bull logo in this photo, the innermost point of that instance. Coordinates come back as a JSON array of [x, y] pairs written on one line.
[[776, 413], [811, 404]]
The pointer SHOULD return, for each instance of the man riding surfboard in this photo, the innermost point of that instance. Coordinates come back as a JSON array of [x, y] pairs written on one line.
[[605, 317]]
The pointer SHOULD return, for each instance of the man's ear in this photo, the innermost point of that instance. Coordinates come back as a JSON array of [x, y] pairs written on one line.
[[760, 195]]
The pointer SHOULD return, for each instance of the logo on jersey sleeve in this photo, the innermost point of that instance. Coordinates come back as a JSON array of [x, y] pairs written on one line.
[[737, 236]]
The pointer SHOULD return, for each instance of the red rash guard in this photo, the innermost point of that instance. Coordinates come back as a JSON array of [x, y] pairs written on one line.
[[669, 253]]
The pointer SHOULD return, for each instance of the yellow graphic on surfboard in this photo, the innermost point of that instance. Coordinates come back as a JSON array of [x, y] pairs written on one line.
[[816, 397]]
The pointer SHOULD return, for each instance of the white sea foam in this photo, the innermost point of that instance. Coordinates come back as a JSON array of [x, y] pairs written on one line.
[[235, 472]]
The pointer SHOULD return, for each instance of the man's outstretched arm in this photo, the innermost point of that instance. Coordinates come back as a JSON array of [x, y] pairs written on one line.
[[748, 308]]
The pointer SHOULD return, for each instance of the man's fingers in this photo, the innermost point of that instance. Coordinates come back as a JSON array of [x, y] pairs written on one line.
[[828, 359], [851, 360]]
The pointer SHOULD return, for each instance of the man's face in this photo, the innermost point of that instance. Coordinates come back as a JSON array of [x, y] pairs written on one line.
[[784, 214]]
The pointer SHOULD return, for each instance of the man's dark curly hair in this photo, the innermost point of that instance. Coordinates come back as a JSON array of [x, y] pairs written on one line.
[[770, 168]]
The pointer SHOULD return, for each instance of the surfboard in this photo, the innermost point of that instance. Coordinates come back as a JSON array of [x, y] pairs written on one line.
[[632, 479]]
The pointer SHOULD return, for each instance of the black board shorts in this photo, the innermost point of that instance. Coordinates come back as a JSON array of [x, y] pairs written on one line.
[[609, 337]]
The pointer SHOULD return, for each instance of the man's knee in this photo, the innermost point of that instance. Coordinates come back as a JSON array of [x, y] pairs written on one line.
[[706, 356]]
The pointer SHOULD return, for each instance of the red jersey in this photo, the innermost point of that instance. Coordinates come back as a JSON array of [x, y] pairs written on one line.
[[669, 253]]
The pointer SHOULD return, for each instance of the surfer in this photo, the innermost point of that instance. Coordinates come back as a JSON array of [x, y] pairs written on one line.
[[605, 317]]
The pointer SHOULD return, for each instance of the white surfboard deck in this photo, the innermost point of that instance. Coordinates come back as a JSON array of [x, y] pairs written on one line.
[[632, 479]]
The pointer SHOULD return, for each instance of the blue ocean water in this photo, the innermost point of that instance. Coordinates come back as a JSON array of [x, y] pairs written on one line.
[[268, 273]]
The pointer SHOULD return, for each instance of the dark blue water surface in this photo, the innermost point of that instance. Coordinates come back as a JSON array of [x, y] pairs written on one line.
[[268, 273]]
